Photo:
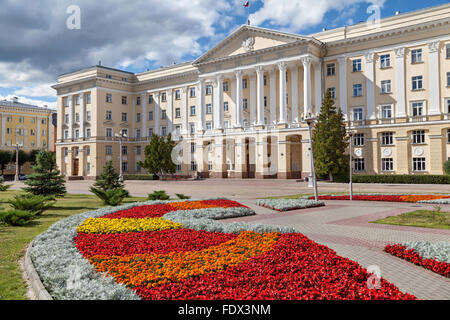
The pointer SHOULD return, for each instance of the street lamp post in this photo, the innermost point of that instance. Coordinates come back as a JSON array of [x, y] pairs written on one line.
[[310, 120], [16, 177], [351, 165], [121, 136]]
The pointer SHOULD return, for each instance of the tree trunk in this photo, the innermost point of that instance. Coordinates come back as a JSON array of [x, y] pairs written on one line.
[[331, 177]]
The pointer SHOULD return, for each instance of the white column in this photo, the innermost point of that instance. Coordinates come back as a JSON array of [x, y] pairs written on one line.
[[253, 98], [144, 116], [400, 110], [50, 133], [370, 89], [156, 96], [434, 105], [201, 105], [260, 95], [318, 85], [70, 105], [343, 85], [218, 103], [283, 112], [273, 96], [184, 111], [38, 132], [3, 129], [294, 92], [170, 111], [307, 84], [233, 102], [82, 115], [239, 111]]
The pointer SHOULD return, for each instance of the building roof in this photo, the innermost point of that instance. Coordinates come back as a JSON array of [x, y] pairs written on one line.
[[6, 103]]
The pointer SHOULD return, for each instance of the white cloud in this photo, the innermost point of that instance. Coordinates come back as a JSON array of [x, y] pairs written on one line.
[[34, 102], [295, 15]]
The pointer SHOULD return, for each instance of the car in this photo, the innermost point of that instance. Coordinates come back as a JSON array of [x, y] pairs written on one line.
[[22, 177]]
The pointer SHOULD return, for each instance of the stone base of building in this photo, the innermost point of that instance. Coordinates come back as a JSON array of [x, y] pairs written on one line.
[[289, 175], [74, 178]]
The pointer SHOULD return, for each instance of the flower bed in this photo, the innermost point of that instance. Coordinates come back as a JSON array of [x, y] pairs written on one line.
[[180, 250], [387, 198], [288, 204], [432, 256]]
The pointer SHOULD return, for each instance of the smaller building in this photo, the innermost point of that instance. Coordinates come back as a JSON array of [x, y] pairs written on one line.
[[32, 127]]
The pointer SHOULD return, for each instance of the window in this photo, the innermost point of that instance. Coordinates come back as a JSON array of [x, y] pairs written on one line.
[[88, 115], [108, 76], [32, 132], [265, 101], [124, 79], [177, 95], [225, 86], [208, 125], [124, 100], [418, 137], [124, 116], [44, 121], [331, 69], [358, 140], [179, 167], [177, 113], [332, 92], [386, 86], [357, 90], [385, 61], [138, 150], [357, 65], [125, 166], [387, 139], [448, 79], [109, 132], [138, 101], [9, 119], [244, 83], [138, 133], [88, 151], [419, 164], [226, 124], [358, 114], [210, 166], [138, 167], [108, 150], [448, 135], [193, 147], [77, 100], [88, 133], [77, 117], [448, 106], [387, 164], [33, 120], [192, 111], [178, 129], [208, 108], [359, 165], [109, 97], [386, 112], [209, 90], [43, 133], [416, 56], [417, 109], [225, 106], [125, 133], [447, 49], [164, 97], [125, 150], [88, 98], [265, 80], [150, 132], [163, 114], [164, 131], [150, 116], [21, 119], [66, 118], [108, 115], [193, 166], [138, 117], [150, 99], [192, 128], [192, 92], [417, 83], [245, 123]]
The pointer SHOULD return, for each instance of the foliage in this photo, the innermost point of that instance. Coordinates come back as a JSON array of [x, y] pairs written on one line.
[[402, 179], [158, 195], [158, 156], [330, 140], [111, 197], [140, 177], [182, 196], [288, 204], [35, 204], [5, 159], [447, 167], [46, 179], [109, 179], [3, 187], [16, 217]]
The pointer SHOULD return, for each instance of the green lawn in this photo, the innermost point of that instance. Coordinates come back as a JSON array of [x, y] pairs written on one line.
[[420, 218], [14, 240]]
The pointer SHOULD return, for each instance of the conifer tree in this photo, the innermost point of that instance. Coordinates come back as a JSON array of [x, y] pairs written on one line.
[[46, 179], [108, 179], [330, 140], [158, 156]]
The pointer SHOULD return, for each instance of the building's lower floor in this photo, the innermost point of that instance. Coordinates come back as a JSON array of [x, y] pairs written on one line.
[[282, 154]]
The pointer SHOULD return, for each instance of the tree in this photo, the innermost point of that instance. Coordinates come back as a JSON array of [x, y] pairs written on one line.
[[46, 179], [447, 167], [5, 159], [330, 140], [32, 156], [108, 179], [158, 156]]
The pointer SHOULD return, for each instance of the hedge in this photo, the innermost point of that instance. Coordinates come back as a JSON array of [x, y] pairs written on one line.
[[402, 179], [140, 177]]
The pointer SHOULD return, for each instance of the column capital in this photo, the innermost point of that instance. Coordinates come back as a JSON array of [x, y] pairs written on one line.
[[184, 89], [433, 46], [238, 73], [156, 95], [259, 69], [400, 52], [220, 77], [342, 60], [369, 57], [306, 61], [282, 66]]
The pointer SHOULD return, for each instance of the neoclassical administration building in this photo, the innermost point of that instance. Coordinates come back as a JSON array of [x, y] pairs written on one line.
[[237, 111]]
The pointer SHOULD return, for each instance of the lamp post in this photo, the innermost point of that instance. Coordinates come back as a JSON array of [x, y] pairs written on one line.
[[351, 165], [309, 119], [121, 136], [16, 177]]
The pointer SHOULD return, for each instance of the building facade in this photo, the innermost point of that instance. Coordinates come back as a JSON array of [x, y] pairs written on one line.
[[28, 126], [237, 111]]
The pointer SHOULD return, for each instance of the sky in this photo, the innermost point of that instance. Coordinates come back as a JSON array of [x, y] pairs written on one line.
[[40, 40]]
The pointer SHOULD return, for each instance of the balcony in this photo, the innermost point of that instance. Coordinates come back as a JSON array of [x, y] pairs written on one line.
[[417, 119]]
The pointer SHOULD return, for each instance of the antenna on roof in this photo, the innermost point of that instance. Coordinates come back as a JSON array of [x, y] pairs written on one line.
[[397, 13], [99, 62]]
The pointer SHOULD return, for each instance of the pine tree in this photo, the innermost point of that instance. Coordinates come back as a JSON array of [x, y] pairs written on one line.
[[108, 179], [330, 140], [46, 179], [158, 156]]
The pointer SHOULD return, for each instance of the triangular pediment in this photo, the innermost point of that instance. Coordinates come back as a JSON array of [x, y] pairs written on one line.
[[249, 39]]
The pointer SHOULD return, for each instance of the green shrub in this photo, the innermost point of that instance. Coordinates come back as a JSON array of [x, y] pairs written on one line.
[[112, 197], [447, 167], [16, 217], [158, 195], [140, 177], [182, 196], [31, 203], [3, 187], [402, 179]]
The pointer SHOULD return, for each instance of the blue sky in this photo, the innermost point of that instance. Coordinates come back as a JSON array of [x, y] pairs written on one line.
[[158, 33]]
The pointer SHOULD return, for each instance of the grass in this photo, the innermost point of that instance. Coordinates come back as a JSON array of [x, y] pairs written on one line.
[[14, 240], [434, 219]]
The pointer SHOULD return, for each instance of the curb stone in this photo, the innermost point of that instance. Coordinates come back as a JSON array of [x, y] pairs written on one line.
[[35, 283]]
